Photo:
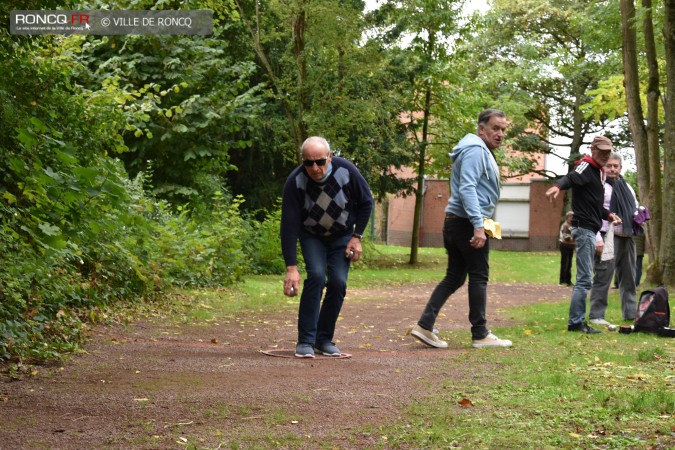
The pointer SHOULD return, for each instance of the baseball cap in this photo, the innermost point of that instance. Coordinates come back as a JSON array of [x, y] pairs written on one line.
[[601, 143]]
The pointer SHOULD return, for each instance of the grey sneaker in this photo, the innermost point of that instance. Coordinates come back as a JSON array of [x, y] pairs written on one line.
[[491, 341], [428, 337], [303, 350], [328, 349], [603, 323]]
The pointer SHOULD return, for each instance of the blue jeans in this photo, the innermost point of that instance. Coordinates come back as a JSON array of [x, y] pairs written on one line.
[[463, 260], [326, 267], [584, 241]]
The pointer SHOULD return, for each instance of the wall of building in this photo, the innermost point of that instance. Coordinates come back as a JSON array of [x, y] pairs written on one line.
[[545, 217], [400, 213], [541, 231], [433, 213]]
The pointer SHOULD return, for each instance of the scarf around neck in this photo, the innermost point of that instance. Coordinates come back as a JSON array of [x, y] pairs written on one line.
[[589, 159], [328, 172], [622, 203]]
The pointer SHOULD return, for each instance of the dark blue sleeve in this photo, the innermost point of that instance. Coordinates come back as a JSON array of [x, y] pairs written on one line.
[[363, 200], [291, 204]]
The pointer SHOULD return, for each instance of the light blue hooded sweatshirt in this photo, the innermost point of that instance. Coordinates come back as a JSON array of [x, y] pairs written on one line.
[[474, 185]]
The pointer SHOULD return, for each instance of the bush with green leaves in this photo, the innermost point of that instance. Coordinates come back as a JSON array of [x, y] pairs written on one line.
[[62, 259], [60, 196], [76, 234], [263, 244], [122, 254], [201, 250]]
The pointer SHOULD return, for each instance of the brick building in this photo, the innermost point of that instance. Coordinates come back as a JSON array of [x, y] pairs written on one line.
[[529, 222]]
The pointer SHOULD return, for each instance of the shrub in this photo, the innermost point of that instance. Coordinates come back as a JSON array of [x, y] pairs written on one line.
[[76, 234], [203, 250], [263, 249]]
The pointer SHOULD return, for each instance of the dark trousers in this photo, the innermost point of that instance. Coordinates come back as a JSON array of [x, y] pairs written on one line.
[[638, 269], [463, 260], [326, 267], [566, 256]]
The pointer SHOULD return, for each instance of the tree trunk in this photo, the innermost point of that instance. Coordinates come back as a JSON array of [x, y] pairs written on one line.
[[667, 248], [296, 125], [579, 127], [634, 104], [651, 175], [419, 193], [298, 27]]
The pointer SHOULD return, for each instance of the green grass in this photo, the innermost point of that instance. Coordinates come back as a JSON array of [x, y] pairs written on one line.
[[511, 267], [382, 266], [552, 389], [256, 293]]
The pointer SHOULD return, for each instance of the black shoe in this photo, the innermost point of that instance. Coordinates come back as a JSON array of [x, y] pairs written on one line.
[[583, 327]]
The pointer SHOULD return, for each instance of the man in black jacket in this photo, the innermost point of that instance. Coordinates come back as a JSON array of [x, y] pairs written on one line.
[[587, 184]]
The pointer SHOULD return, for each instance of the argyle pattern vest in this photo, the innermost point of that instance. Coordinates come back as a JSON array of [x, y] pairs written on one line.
[[326, 203]]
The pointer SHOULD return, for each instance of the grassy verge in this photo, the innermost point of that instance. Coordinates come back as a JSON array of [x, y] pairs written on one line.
[[383, 266], [386, 264], [553, 389]]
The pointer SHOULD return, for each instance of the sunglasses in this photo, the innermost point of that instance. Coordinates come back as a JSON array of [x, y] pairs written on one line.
[[310, 162]]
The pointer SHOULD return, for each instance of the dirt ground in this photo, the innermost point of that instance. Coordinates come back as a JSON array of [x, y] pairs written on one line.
[[159, 385]]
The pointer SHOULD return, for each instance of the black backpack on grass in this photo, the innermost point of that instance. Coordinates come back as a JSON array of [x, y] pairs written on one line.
[[653, 312]]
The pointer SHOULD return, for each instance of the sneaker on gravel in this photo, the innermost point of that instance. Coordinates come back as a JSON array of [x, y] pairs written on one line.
[[328, 349], [491, 341], [603, 323], [428, 337], [303, 350]]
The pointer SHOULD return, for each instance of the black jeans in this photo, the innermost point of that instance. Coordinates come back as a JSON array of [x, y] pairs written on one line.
[[566, 256], [463, 260]]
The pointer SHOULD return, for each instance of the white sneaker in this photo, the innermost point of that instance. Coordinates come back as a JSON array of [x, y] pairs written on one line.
[[603, 323], [491, 341], [428, 337]]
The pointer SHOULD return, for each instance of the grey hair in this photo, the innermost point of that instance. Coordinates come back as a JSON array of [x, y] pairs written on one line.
[[617, 157], [311, 139], [485, 116]]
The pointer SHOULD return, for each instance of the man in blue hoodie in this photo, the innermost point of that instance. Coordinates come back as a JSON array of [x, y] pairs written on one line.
[[474, 191]]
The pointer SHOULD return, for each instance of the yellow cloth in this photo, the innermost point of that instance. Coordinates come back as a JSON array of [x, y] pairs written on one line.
[[492, 228]]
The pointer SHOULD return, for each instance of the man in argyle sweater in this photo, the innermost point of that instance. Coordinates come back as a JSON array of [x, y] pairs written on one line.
[[326, 205]]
